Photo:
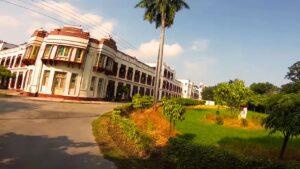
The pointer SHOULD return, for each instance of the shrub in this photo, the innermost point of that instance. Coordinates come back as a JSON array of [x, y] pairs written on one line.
[[183, 154], [219, 119], [244, 122], [173, 111], [142, 102], [125, 109], [129, 128]]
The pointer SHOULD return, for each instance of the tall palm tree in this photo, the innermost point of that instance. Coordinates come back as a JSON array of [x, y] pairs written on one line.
[[162, 13]]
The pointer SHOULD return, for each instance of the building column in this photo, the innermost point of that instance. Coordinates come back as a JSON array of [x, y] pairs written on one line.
[[126, 71], [15, 60], [23, 80], [9, 82], [118, 71], [5, 59], [16, 80], [131, 90], [11, 59], [116, 88]]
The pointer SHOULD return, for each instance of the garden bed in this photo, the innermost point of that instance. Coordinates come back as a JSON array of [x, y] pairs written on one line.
[[196, 143]]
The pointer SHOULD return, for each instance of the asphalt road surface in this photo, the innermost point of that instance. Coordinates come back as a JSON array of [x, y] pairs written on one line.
[[49, 135]]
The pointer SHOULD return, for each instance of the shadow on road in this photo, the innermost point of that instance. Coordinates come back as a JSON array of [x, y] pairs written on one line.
[[13, 106], [40, 152]]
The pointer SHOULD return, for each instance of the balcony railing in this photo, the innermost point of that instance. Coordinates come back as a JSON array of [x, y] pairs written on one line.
[[98, 69], [61, 60], [28, 61]]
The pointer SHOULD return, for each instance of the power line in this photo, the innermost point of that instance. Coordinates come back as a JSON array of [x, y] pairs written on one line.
[[86, 20], [100, 27], [24, 7], [60, 21]]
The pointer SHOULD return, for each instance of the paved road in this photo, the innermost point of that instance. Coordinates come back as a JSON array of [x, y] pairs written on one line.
[[49, 135]]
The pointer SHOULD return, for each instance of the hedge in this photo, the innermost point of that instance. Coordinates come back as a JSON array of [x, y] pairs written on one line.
[[182, 154]]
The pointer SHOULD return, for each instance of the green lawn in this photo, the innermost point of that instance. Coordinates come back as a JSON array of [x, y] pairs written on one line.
[[242, 141]]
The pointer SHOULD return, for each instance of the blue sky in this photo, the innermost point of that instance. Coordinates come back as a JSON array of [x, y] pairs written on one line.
[[214, 41]]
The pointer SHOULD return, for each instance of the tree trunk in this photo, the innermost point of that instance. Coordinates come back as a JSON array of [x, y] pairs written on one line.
[[284, 144], [159, 59]]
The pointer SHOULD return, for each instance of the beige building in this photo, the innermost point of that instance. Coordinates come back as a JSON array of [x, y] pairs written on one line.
[[68, 63], [189, 89], [169, 86]]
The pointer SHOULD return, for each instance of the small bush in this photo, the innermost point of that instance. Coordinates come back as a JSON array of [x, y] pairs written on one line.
[[244, 122], [219, 119], [125, 109], [183, 154], [173, 111], [142, 102], [129, 128]]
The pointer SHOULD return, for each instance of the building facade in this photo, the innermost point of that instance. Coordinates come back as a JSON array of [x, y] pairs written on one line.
[[68, 63], [189, 89], [169, 86]]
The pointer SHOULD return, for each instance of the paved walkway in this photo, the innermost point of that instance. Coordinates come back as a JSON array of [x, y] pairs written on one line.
[[49, 135]]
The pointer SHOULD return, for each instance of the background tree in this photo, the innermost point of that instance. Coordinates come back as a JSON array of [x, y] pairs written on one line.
[[293, 87], [264, 88], [207, 93], [4, 77], [162, 13], [294, 72], [173, 111], [5, 73], [257, 102], [284, 117], [233, 94]]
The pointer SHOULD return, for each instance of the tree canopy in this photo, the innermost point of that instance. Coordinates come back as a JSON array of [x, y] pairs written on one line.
[[156, 9], [294, 72], [207, 93], [4, 72], [292, 87], [233, 93], [284, 116], [263, 88]]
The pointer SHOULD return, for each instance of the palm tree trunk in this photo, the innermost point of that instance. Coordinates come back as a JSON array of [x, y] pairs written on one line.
[[284, 144], [159, 59]]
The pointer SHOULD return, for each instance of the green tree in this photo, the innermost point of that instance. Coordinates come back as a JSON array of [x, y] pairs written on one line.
[[263, 88], [292, 87], [207, 93], [257, 102], [284, 117], [162, 13], [233, 94], [173, 111], [294, 72], [4, 73]]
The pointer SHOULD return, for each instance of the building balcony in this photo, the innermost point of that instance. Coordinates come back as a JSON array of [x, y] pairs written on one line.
[[28, 61], [66, 62], [108, 72], [98, 69]]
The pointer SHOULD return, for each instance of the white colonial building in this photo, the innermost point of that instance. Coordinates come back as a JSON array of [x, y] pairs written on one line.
[[169, 86], [68, 63], [189, 89]]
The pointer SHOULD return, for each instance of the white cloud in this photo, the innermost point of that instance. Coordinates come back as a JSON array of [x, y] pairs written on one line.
[[16, 27], [149, 50], [200, 45], [8, 21], [67, 12], [199, 70]]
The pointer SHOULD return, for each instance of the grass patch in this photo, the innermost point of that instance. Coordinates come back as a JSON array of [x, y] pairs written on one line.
[[250, 142]]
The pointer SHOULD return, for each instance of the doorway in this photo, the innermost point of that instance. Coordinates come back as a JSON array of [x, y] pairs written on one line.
[[59, 83]]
